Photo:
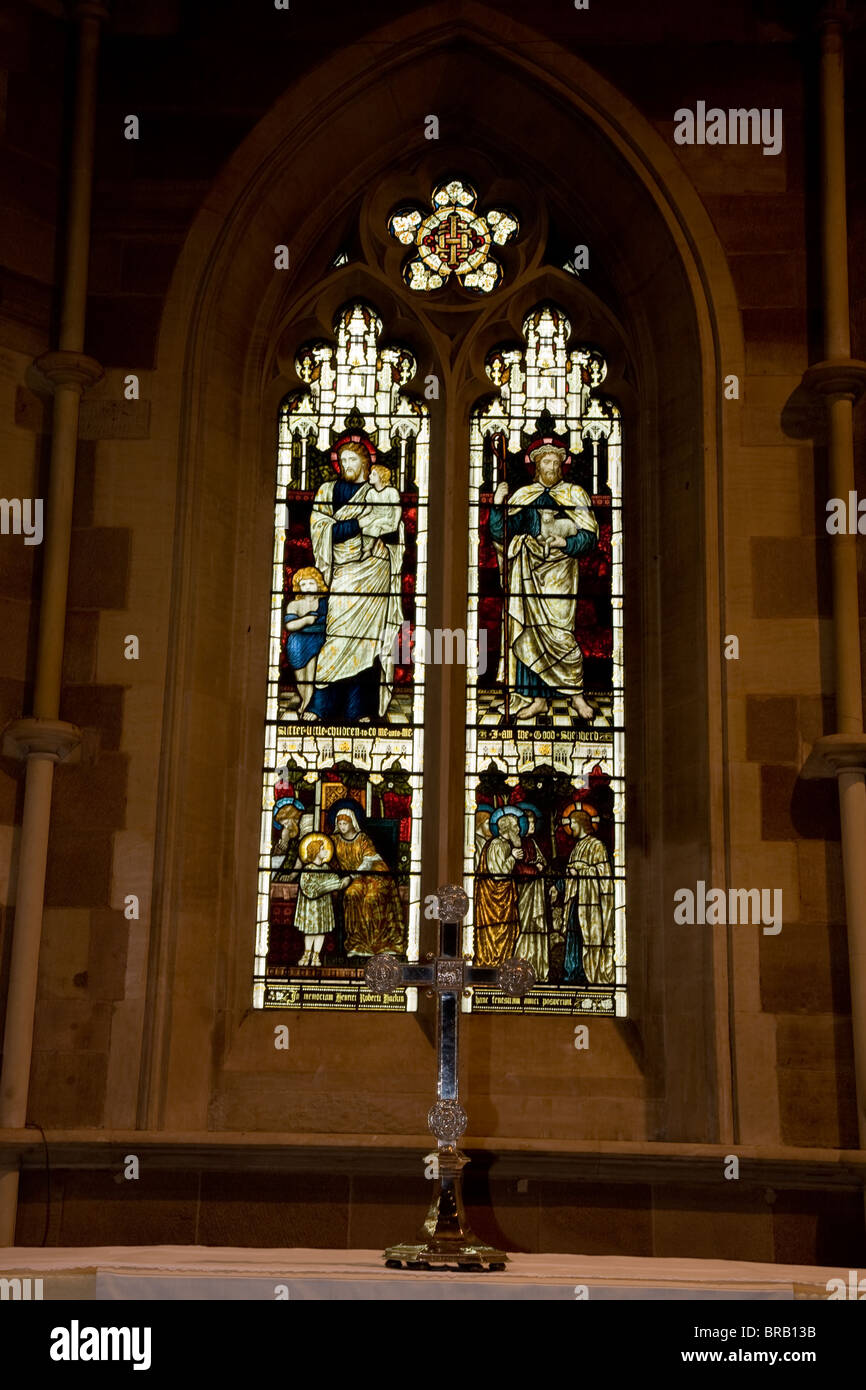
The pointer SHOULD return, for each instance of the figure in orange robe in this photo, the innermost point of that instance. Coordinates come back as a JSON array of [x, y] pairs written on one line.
[[497, 924], [372, 910]]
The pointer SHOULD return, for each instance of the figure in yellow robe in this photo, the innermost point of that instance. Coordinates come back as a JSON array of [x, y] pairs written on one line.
[[372, 910], [497, 923]]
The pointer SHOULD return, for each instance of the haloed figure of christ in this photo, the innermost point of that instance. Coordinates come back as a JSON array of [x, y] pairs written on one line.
[[355, 533], [588, 904], [538, 533]]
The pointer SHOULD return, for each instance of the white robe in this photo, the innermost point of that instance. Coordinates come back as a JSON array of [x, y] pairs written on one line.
[[533, 942], [314, 915], [593, 888], [542, 596], [364, 608]]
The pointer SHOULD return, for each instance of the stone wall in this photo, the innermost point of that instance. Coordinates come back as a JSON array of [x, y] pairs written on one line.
[[744, 1037]]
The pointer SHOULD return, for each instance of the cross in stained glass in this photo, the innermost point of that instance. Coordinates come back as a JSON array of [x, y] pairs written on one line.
[[453, 242], [453, 239]]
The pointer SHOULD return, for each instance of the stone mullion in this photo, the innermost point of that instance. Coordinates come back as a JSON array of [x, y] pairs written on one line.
[[451, 737]]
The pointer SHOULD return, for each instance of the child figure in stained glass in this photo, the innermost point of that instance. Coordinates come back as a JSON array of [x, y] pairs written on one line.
[[382, 494], [305, 618], [314, 916], [386, 495]]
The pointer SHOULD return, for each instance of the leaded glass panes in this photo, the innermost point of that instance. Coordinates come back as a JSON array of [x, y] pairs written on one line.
[[339, 868], [453, 239], [545, 804]]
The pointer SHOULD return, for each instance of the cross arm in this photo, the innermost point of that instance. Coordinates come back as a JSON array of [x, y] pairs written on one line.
[[448, 975], [448, 972], [385, 974]]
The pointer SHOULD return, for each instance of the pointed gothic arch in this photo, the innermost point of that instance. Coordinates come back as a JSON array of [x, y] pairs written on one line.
[[302, 178]]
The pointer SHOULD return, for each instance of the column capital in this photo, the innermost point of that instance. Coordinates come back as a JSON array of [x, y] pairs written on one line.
[[838, 376], [834, 14], [41, 738], [69, 369], [834, 754]]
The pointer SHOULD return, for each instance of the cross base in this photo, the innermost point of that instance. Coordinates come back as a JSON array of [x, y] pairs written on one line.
[[463, 1256], [449, 1240], [446, 1240]]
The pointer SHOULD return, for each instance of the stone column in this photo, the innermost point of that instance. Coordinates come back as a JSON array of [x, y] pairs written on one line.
[[841, 379], [44, 739]]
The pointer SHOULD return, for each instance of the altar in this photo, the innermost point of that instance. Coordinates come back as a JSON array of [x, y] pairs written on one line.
[[180, 1272]]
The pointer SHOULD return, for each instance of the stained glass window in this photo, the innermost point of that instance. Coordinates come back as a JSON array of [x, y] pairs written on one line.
[[339, 868], [544, 839], [453, 239]]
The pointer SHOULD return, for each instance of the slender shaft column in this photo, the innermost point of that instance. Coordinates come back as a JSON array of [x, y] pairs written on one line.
[[852, 806], [834, 209], [44, 740], [846, 603], [841, 380]]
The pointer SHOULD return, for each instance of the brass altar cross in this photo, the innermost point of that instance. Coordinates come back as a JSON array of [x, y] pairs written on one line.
[[446, 1237]]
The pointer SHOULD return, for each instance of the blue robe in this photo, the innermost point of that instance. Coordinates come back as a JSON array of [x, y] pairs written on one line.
[[306, 642]]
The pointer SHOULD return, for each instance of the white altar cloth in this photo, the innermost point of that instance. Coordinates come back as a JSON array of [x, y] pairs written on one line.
[[209, 1272]]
